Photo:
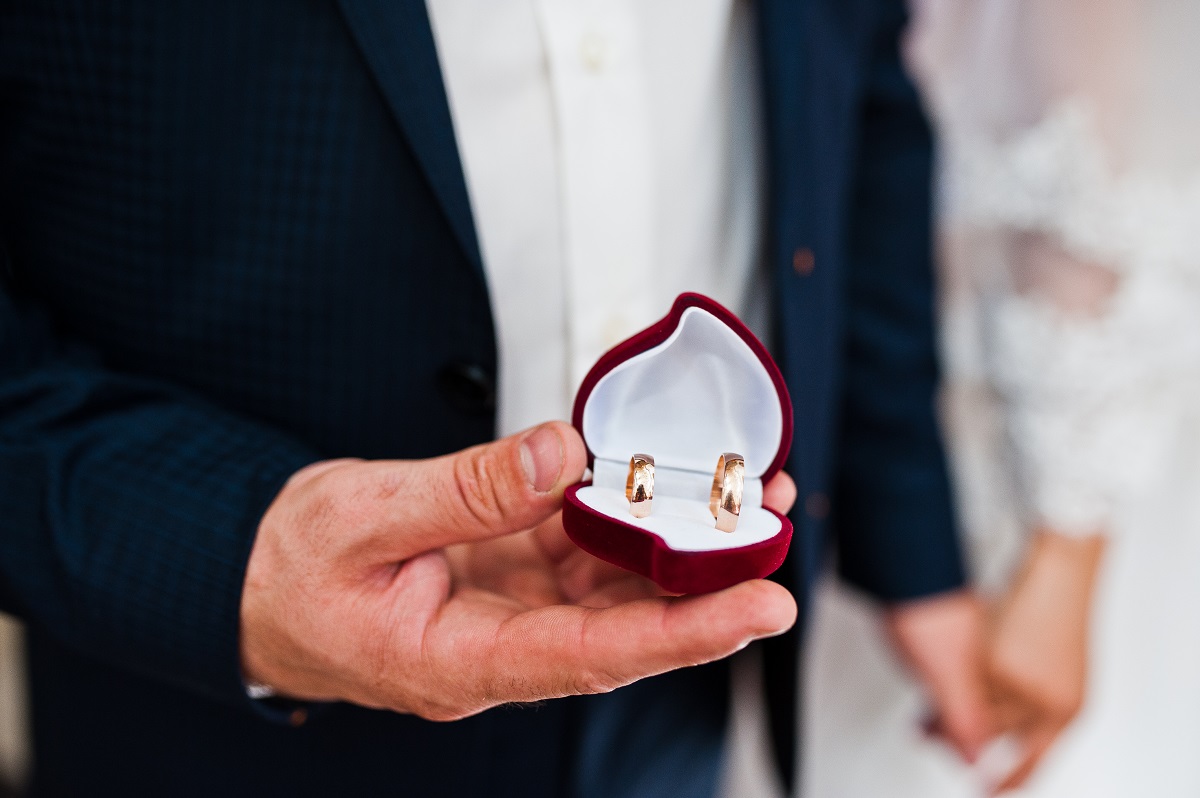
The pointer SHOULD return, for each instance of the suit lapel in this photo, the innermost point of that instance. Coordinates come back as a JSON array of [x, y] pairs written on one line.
[[397, 41], [781, 24]]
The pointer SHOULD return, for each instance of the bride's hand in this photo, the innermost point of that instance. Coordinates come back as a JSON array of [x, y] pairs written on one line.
[[1038, 645]]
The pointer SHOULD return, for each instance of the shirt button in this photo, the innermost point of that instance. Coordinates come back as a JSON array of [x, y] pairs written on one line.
[[803, 261], [593, 51], [816, 506]]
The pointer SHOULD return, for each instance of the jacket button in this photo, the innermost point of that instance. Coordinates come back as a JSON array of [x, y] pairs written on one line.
[[816, 506], [803, 261], [468, 388]]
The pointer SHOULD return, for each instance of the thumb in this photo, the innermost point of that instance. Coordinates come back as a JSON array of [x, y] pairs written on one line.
[[497, 488]]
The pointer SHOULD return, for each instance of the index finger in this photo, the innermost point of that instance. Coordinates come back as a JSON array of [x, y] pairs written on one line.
[[572, 650]]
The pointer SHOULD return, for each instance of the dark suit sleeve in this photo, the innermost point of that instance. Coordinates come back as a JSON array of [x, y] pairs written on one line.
[[896, 530], [127, 508]]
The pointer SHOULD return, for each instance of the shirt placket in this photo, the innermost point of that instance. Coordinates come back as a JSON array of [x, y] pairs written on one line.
[[606, 173]]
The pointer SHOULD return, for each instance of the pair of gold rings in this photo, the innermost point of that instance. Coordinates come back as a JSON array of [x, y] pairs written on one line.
[[725, 498]]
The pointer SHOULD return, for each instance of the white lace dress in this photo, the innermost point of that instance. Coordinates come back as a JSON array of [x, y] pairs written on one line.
[[1070, 230]]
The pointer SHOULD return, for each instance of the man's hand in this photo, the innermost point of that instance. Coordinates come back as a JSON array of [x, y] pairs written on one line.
[[1039, 644], [941, 639], [444, 587]]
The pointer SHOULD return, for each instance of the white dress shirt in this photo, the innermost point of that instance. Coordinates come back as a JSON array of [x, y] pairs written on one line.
[[611, 152], [613, 159]]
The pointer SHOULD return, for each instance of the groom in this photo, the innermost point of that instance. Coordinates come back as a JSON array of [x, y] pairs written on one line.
[[240, 248]]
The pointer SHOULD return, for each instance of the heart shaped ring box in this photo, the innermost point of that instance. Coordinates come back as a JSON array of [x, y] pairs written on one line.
[[687, 389]]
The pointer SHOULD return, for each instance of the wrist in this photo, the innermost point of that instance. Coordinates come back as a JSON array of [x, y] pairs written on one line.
[[268, 655]]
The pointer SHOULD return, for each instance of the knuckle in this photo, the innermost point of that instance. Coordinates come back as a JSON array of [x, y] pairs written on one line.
[[437, 712], [324, 515], [478, 481], [332, 501], [388, 484], [354, 498], [322, 509], [592, 682], [585, 676]]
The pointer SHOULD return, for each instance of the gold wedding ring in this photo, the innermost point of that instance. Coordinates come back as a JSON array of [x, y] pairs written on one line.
[[639, 485], [725, 501]]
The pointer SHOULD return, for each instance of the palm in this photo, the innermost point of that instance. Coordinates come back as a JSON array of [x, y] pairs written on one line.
[[529, 616]]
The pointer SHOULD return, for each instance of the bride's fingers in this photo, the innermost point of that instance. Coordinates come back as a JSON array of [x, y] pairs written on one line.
[[1030, 726], [1035, 742], [964, 718], [1010, 711]]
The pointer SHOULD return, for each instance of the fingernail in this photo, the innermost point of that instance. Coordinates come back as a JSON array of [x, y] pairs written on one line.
[[542, 457]]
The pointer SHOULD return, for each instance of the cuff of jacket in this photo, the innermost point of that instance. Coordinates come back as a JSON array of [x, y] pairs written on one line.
[[266, 487], [178, 614], [897, 538]]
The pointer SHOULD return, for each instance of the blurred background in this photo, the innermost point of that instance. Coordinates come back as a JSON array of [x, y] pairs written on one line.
[[1069, 263]]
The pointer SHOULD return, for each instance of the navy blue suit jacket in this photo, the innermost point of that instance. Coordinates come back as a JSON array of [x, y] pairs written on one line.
[[220, 224]]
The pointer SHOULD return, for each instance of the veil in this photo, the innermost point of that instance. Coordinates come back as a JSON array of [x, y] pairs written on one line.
[[1069, 191], [999, 66]]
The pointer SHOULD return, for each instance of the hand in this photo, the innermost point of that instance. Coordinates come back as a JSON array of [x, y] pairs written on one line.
[[941, 639], [1038, 651], [447, 586]]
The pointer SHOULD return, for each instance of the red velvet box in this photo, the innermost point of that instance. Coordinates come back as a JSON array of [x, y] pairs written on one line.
[[685, 390]]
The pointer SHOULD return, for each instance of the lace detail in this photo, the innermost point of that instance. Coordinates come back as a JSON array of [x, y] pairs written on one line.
[[1090, 401], [1055, 178]]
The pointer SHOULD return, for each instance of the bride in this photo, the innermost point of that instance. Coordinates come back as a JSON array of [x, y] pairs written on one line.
[[1070, 229]]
